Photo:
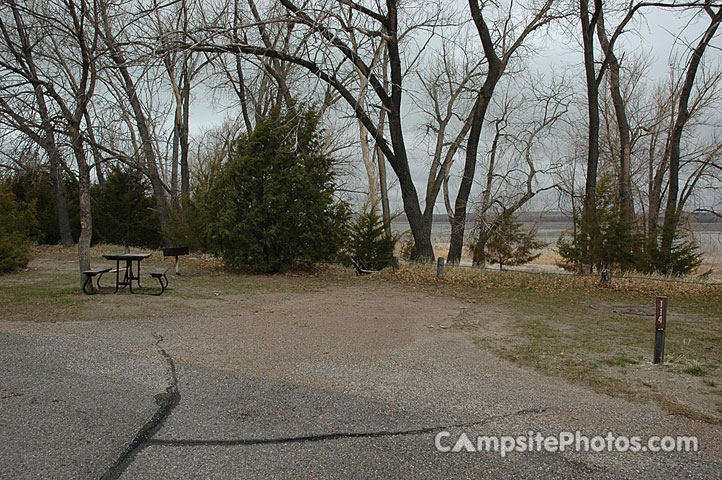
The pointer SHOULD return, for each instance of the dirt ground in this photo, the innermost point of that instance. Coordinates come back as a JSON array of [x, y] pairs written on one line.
[[544, 337]]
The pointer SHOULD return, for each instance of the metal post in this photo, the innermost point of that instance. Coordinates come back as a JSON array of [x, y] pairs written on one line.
[[440, 268], [660, 326], [606, 275]]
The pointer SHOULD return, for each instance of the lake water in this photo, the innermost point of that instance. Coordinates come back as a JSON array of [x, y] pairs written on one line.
[[707, 236]]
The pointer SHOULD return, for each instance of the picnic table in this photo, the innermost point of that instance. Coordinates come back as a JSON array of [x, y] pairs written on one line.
[[130, 275]]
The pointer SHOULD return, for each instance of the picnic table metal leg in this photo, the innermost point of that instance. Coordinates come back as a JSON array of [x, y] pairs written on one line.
[[88, 281], [138, 277], [125, 274], [117, 275], [129, 273]]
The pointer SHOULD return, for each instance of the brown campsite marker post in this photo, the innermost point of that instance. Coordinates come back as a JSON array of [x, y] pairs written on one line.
[[395, 263], [660, 326], [440, 268]]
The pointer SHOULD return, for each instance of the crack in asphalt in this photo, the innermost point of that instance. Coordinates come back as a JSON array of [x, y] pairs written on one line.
[[338, 435], [166, 401], [169, 399]]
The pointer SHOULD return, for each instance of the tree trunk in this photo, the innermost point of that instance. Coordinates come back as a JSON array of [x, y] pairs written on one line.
[[185, 111], [458, 223], [86, 222], [380, 159], [656, 181], [626, 201], [421, 232], [384, 192], [175, 155], [373, 197], [61, 203], [495, 71], [655, 204], [86, 219], [56, 171], [185, 172], [420, 229], [589, 213], [161, 204], [100, 174], [479, 253]]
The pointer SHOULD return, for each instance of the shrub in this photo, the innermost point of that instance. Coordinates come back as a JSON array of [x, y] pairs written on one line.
[[273, 205], [368, 244], [187, 226], [683, 259], [18, 226], [408, 247]]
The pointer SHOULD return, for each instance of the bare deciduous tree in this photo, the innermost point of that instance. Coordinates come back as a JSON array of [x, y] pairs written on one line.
[[328, 51], [499, 52], [109, 32], [65, 75], [23, 104], [673, 209], [517, 157]]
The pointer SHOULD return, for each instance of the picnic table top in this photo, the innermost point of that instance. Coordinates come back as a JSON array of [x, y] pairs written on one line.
[[126, 256]]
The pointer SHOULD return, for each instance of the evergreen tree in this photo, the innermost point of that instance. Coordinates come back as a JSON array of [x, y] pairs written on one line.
[[18, 228], [124, 212], [35, 186], [274, 203], [619, 245], [368, 244], [509, 245], [616, 244], [683, 258]]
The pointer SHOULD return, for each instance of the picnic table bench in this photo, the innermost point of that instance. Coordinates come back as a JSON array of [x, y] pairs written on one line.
[[359, 269], [160, 274], [129, 275], [89, 275]]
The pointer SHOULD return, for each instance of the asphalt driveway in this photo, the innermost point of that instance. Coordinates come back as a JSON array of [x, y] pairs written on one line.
[[320, 384]]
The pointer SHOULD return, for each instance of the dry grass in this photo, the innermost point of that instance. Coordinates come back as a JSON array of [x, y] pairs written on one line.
[[482, 279], [601, 336], [547, 257]]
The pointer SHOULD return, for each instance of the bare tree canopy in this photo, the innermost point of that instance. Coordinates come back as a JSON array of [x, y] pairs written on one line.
[[456, 99]]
